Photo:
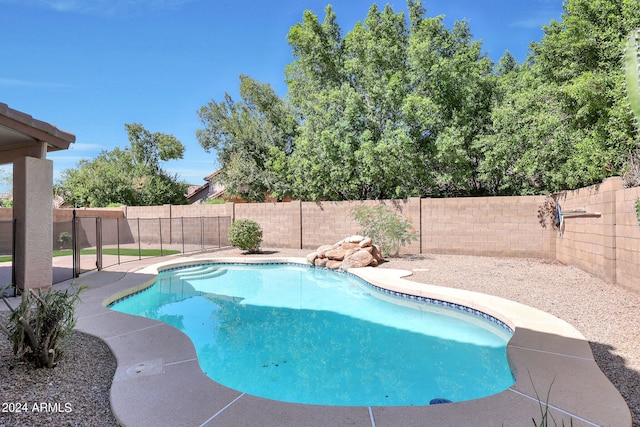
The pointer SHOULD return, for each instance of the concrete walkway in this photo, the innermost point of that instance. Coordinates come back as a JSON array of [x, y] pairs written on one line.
[[159, 382]]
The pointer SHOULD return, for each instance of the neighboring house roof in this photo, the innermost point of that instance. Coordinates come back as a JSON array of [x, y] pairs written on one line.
[[207, 191]]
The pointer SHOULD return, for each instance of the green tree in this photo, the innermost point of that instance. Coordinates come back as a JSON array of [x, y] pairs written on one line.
[[150, 148], [451, 102], [389, 110], [401, 107], [130, 176], [251, 138], [561, 121]]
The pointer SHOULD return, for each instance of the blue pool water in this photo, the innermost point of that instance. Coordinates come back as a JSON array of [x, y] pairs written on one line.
[[306, 335]]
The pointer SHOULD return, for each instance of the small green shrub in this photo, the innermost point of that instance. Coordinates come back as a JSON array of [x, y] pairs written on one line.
[[638, 210], [246, 234], [39, 326], [387, 228], [214, 202], [64, 240]]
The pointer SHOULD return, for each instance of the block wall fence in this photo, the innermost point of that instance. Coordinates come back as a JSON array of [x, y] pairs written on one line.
[[605, 243]]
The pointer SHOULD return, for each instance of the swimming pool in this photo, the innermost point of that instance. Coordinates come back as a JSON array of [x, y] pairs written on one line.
[[306, 335]]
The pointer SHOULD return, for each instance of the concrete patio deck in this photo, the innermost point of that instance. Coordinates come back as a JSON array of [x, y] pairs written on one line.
[[159, 382]]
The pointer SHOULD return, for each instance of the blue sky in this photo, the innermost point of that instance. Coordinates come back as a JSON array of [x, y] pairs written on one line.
[[90, 66]]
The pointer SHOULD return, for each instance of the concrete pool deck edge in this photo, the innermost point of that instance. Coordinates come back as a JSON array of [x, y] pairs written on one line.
[[159, 381]]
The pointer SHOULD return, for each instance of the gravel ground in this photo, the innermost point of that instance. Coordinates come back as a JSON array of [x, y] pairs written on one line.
[[74, 393], [608, 316]]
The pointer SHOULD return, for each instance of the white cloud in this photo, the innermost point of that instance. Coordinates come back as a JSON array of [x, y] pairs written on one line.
[[101, 7], [529, 23], [27, 83]]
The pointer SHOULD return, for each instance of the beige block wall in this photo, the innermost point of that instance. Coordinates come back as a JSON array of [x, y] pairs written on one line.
[[590, 242], [328, 222], [485, 226], [154, 221], [627, 233], [280, 222], [606, 245], [6, 214]]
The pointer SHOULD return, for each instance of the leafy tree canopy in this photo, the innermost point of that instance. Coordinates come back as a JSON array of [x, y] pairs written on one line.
[[250, 137], [403, 106], [131, 176]]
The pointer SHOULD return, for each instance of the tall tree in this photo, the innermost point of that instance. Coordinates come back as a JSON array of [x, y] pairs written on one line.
[[451, 102], [564, 123], [340, 88], [150, 149], [251, 138], [130, 176], [375, 101], [402, 107]]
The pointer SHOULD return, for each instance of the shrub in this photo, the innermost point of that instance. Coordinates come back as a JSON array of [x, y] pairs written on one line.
[[39, 326], [64, 240], [387, 228], [246, 234], [638, 210], [214, 202]]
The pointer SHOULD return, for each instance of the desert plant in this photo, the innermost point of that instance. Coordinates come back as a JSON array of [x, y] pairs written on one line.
[[544, 409], [39, 326], [638, 210], [246, 234], [386, 227]]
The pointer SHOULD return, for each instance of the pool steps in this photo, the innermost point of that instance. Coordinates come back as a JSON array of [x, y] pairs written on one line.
[[201, 272]]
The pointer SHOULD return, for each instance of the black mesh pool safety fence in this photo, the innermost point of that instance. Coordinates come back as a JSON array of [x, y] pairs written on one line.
[[93, 243]]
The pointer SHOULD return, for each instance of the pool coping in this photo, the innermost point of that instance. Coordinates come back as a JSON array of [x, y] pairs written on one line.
[[549, 358]]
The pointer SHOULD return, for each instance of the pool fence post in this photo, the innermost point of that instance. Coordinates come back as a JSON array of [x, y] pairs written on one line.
[[75, 246], [13, 256], [139, 247], [160, 225], [118, 237], [98, 243]]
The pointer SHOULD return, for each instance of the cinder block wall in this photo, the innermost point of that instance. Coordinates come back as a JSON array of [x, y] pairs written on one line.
[[6, 231], [590, 242], [627, 239], [280, 222], [486, 226], [606, 244], [328, 222]]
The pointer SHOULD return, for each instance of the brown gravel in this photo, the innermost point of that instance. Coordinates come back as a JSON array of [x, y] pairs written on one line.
[[74, 393], [608, 316]]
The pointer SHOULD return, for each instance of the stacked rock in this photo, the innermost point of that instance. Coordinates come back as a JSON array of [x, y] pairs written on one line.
[[352, 252]]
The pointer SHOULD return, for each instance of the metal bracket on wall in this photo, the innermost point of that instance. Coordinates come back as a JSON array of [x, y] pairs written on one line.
[[579, 213]]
